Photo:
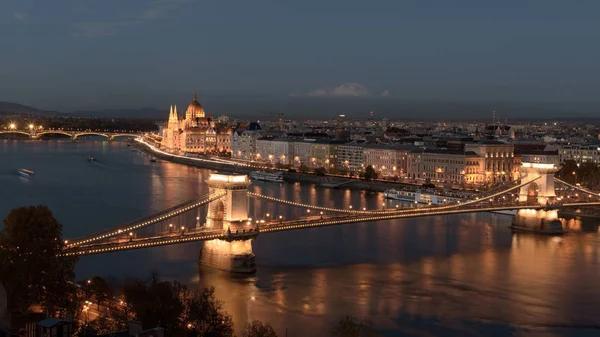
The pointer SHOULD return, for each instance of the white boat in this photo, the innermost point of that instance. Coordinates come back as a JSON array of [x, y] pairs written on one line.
[[399, 195], [276, 177], [506, 212], [25, 173], [419, 197]]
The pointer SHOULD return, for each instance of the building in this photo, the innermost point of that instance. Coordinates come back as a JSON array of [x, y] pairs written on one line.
[[324, 153], [439, 165], [302, 153], [350, 156], [580, 153], [243, 143], [498, 160], [274, 150], [387, 160], [195, 132]]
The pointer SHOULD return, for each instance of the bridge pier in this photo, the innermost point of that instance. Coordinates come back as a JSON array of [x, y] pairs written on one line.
[[229, 213], [540, 191]]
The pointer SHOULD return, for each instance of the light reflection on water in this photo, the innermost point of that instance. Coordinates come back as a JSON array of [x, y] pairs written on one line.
[[462, 274]]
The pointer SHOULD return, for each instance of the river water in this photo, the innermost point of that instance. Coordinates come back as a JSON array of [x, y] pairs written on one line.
[[463, 275]]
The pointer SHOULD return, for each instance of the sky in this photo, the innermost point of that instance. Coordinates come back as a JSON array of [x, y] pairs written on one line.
[[89, 54]]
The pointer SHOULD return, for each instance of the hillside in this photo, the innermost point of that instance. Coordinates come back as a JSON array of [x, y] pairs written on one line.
[[8, 108]]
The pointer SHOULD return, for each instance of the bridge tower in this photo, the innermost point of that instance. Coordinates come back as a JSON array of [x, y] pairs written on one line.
[[542, 190], [229, 213]]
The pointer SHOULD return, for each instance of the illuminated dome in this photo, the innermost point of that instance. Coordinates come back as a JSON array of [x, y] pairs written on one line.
[[194, 110]]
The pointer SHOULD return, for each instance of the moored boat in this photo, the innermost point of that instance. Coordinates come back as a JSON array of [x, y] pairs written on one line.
[[276, 177], [421, 197], [399, 195]]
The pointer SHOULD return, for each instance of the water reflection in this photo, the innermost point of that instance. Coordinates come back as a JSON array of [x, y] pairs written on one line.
[[461, 274]]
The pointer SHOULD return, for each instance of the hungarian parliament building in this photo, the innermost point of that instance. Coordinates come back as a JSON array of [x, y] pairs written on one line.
[[195, 132]]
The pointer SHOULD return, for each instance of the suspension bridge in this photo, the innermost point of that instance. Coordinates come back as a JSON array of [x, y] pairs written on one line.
[[228, 230]]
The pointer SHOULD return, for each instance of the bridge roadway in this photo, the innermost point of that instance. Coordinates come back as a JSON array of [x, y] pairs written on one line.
[[206, 198], [203, 234], [146, 221]]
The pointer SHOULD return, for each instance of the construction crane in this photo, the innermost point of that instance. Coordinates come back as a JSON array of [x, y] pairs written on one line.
[[279, 120]]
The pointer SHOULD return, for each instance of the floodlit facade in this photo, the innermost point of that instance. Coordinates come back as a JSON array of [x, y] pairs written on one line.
[[195, 133]]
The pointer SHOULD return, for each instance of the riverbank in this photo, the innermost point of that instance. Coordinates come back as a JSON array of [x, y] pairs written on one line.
[[292, 177]]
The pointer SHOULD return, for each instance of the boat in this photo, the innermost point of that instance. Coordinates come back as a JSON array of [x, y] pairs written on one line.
[[399, 195], [25, 173], [546, 227], [510, 212], [276, 177], [153, 160], [421, 197], [91, 158]]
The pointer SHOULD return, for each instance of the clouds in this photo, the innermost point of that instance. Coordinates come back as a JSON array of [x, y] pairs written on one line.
[[20, 16], [348, 89], [158, 9]]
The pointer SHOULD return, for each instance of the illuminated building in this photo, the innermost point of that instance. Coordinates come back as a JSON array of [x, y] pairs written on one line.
[[195, 133]]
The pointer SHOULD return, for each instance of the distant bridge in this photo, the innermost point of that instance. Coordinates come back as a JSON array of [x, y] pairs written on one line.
[[35, 134]]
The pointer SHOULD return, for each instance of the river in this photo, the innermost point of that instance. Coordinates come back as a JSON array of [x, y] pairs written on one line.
[[463, 275]]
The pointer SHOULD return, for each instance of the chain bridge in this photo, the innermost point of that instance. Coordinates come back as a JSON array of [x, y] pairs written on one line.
[[228, 230]]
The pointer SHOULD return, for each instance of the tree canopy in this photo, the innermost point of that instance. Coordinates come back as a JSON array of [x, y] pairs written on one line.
[[31, 267], [259, 329], [370, 173], [351, 327]]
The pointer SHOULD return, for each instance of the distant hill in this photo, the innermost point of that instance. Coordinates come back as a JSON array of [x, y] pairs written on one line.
[[8, 108], [141, 113]]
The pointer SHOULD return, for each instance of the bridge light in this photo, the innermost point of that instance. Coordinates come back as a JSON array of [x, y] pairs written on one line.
[[12, 126]]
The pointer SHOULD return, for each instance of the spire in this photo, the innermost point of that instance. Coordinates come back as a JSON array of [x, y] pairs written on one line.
[[171, 113], [175, 113], [195, 96]]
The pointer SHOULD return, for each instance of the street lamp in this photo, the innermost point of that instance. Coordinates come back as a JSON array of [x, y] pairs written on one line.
[[30, 126], [12, 126]]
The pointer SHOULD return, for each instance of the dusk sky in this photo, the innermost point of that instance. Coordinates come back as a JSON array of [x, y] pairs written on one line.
[[82, 54]]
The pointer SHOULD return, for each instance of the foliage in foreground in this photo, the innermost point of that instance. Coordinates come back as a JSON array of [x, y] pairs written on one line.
[[31, 268]]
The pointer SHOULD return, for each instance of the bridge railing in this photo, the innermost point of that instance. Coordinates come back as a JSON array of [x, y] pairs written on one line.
[[147, 220]]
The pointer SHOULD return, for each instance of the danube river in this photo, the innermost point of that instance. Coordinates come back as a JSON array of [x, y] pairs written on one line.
[[463, 275]]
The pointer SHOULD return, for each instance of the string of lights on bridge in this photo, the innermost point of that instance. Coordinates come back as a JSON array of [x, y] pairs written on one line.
[[164, 215]]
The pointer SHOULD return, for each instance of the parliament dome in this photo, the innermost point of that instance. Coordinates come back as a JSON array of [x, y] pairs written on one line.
[[195, 109]]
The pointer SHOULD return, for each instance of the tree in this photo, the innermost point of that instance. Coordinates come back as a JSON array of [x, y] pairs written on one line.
[[303, 168], [568, 171], [370, 173], [350, 327], [157, 302], [101, 290], [31, 266], [258, 329], [205, 315], [321, 171]]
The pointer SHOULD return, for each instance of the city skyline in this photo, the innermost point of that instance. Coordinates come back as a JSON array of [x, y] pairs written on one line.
[[75, 56]]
